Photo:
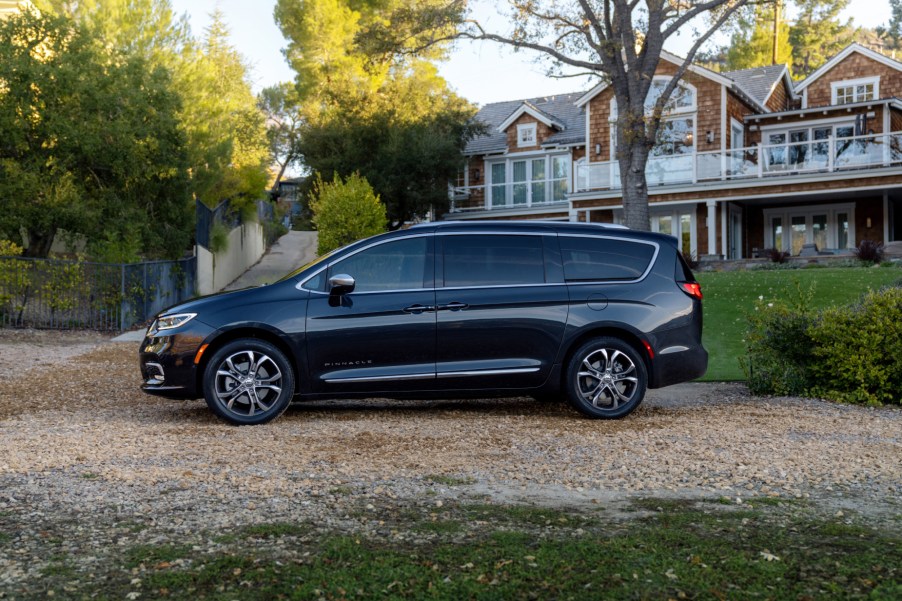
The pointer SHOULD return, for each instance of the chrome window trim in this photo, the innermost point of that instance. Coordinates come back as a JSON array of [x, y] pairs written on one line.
[[495, 233], [651, 262], [300, 285]]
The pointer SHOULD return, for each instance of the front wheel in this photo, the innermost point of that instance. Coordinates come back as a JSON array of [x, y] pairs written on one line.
[[248, 382], [606, 378]]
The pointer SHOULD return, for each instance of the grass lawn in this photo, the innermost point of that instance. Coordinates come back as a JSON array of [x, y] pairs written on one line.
[[669, 549], [730, 296]]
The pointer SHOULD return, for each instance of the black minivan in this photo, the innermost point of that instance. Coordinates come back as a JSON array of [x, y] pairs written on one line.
[[589, 312]]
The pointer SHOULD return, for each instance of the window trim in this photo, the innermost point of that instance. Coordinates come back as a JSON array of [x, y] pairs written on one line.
[[835, 86], [523, 127]]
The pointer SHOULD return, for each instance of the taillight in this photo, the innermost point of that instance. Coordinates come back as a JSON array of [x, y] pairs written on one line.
[[693, 289]]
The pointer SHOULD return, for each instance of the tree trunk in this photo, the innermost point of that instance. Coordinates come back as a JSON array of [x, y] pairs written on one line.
[[39, 243], [635, 189]]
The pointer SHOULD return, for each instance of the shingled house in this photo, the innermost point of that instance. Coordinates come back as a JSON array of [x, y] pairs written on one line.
[[746, 160]]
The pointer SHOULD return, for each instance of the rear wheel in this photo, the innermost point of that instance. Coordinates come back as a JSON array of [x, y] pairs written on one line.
[[248, 382], [606, 378]]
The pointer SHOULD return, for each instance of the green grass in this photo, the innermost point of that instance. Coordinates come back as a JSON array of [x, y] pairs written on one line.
[[684, 549], [449, 480], [730, 296]]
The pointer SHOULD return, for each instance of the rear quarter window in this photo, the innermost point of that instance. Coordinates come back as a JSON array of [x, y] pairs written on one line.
[[588, 259]]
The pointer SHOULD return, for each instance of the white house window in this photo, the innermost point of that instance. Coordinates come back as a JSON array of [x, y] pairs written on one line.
[[526, 135], [680, 224], [856, 90], [523, 182]]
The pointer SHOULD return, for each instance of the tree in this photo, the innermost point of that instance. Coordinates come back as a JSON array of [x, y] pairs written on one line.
[[89, 143], [752, 40], [621, 41], [818, 34], [345, 211], [283, 125], [372, 100], [892, 31], [224, 128]]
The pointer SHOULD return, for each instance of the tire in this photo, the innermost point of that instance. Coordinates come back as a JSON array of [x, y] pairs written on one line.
[[248, 382], [606, 379]]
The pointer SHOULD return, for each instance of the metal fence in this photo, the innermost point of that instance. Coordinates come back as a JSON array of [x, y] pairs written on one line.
[[227, 216], [49, 293]]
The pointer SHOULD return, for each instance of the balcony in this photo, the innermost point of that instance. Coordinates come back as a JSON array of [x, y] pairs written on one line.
[[829, 155]]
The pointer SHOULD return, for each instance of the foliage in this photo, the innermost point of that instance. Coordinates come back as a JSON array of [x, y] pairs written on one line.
[[91, 142], [850, 353], [752, 39], [869, 251], [372, 102], [891, 33], [858, 350], [818, 34], [219, 238], [345, 211], [778, 346], [62, 284], [280, 105], [13, 279]]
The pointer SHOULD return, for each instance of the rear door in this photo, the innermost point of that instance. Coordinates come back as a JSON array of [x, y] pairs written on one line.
[[501, 309]]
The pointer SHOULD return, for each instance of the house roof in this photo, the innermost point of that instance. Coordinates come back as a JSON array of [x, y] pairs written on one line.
[[853, 47], [528, 108], [760, 82], [560, 109]]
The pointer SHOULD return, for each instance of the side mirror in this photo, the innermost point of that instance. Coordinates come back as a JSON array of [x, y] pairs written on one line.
[[340, 284]]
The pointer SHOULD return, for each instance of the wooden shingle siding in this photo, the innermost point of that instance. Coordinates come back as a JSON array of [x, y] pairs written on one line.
[[855, 66], [778, 98], [737, 109], [542, 133]]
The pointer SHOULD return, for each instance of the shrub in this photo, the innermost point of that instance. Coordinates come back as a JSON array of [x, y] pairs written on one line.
[[691, 260], [848, 353], [858, 350], [778, 346], [345, 211], [869, 251], [14, 277]]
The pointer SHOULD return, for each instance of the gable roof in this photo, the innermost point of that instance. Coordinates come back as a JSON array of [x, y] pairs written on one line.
[[528, 108], [760, 82], [559, 109], [853, 47]]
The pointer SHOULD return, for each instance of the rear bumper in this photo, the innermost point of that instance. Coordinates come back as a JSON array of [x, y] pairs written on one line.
[[678, 364]]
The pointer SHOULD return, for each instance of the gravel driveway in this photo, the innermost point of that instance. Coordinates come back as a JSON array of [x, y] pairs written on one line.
[[85, 456]]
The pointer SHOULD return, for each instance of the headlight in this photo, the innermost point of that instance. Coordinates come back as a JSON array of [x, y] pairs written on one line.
[[167, 322]]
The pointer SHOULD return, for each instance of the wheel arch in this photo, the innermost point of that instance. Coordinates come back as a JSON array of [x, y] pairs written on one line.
[[247, 331], [612, 331]]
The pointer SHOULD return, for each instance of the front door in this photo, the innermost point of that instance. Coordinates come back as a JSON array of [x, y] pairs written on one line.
[[381, 336]]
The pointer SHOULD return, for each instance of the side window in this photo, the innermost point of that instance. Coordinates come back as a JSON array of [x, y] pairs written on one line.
[[493, 260], [593, 259], [397, 265]]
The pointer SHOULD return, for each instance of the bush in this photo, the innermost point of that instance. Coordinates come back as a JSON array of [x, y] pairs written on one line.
[[345, 211], [869, 251], [848, 353], [14, 277], [775, 255], [778, 346], [858, 350]]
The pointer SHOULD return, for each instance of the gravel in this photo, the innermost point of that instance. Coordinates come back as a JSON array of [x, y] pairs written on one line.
[[88, 460]]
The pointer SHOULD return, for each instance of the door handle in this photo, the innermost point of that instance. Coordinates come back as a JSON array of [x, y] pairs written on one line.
[[417, 309], [453, 306]]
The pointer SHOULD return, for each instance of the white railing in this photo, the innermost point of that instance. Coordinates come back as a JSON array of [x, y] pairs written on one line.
[[509, 195], [772, 160]]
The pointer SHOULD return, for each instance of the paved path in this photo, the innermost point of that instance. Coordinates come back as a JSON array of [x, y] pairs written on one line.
[[288, 253]]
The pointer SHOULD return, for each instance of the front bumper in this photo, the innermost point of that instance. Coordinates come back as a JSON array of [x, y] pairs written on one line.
[[167, 361]]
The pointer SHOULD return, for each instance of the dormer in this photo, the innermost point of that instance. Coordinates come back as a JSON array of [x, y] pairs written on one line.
[[857, 74], [528, 127]]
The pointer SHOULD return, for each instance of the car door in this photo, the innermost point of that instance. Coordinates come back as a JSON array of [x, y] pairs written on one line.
[[380, 336], [501, 310]]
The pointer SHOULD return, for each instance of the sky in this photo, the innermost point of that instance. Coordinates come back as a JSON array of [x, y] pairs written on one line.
[[481, 72]]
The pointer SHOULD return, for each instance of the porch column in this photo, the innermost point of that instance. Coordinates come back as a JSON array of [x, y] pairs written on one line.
[[711, 222]]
